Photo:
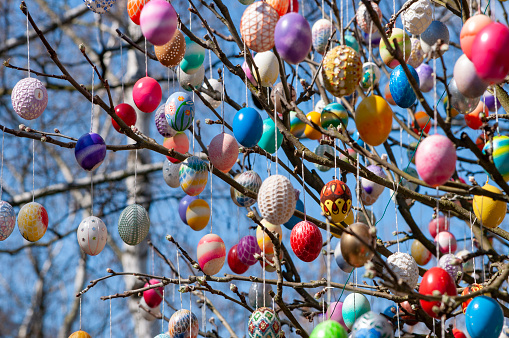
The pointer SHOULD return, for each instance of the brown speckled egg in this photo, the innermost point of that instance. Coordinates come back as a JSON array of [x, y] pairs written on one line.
[[342, 71], [171, 53]]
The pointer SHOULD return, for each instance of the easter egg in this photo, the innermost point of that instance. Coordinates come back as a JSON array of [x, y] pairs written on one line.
[[435, 159], [161, 124], [268, 140], [216, 86], [247, 248], [278, 93], [435, 31], [405, 268], [190, 81], [264, 323], [294, 219], [293, 6], [370, 190], [234, 262], [370, 76], [448, 263], [364, 19], [276, 199], [183, 324], [179, 111], [341, 71], [133, 224], [99, 6], [29, 98], [293, 37], [92, 235], [336, 200], [80, 334], [183, 205], [354, 306], [179, 143], [329, 329], [257, 26], [468, 266], [476, 118], [426, 77], [249, 74], [158, 22], [372, 324], [198, 214], [126, 113], [32, 221], [247, 127], [306, 241], [480, 141], [417, 17], [321, 150], [153, 297], [258, 297], [373, 118], [211, 254], [251, 181], [268, 67], [335, 313], [404, 44], [355, 252], [435, 280], [468, 290], [171, 53], [446, 242], [484, 317], [321, 32], [134, 8], [223, 152], [351, 41], [375, 38], [194, 55], [340, 260], [335, 115], [297, 127], [90, 151], [388, 96], [310, 132], [488, 211], [468, 82], [469, 31], [489, 100], [420, 253], [7, 220], [399, 85], [147, 94], [193, 175], [437, 225], [264, 241], [499, 150], [281, 6], [491, 48], [460, 102], [417, 54], [423, 122]]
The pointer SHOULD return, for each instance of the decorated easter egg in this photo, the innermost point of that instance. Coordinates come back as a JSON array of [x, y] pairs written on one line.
[[401, 90], [268, 139], [126, 113], [183, 205], [153, 297], [446, 242], [404, 44], [179, 143], [278, 93], [292, 37], [92, 235], [321, 32], [249, 74], [32, 221], [436, 280], [80, 334], [489, 100], [435, 159], [468, 290], [370, 190], [499, 150], [211, 254], [437, 225], [364, 19], [306, 241], [264, 241], [335, 313], [435, 31], [264, 323], [491, 48], [147, 94], [426, 77], [329, 329], [183, 324], [355, 252], [469, 31], [417, 54], [310, 132], [276, 199], [99, 6], [373, 118], [476, 118], [372, 324], [370, 76], [133, 224], [193, 57], [90, 151], [335, 115], [281, 6], [468, 266], [354, 306], [336, 200], [388, 96], [179, 111], [247, 249], [216, 86], [171, 53], [134, 8], [321, 150], [248, 127], [420, 253], [190, 81], [268, 67], [294, 219], [375, 38], [223, 152], [158, 22], [417, 17], [7, 220], [448, 263], [161, 124], [342, 71], [198, 214], [257, 26], [249, 180], [193, 175], [405, 268], [423, 122], [258, 297], [340, 260], [234, 262], [351, 41], [29, 98], [297, 127], [484, 317], [468, 82], [488, 211]]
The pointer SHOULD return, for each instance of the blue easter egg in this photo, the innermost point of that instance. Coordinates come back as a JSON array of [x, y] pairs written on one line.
[[340, 261], [335, 115], [484, 317], [247, 127], [294, 220], [268, 140], [179, 111], [390, 311], [351, 41], [401, 91], [193, 58], [500, 154], [90, 151]]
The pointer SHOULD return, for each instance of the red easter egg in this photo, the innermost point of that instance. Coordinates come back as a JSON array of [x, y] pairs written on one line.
[[435, 279], [234, 262], [223, 152], [422, 121], [473, 119], [147, 94], [134, 8], [126, 113], [468, 290], [281, 6], [458, 334], [153, 297], [480, 141], [491, 49], [469, 31], [442, 225], [293, 6], [179, 142], [306, 241]]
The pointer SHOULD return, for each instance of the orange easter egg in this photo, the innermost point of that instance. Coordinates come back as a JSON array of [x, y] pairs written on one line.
[[373, 118]]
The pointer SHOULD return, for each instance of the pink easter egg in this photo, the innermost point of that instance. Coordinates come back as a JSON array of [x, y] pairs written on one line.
[[153, 297], [29, 98], [223, 152], [335, 312], [491, 49], [446, 242], [438, 225], [158, 22], [435, 159], [211, 254], [179, 142], [245, 68], [147, 94]]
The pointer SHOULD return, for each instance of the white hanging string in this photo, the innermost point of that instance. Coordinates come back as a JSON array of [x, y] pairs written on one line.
[[396, 186], [275, 128], [2, 167], [146, 58], [162, 314], [247, 66], [178, 272], [190, 316], [211, 194], [437, 232], [222, 100], [80, 312], [110, 320], [33, 170], [28, 49], [341, 24], [263, 267], [496, 110], [91, 194], [472, 243], [204, 314], [135, 175], [92, 109], [122, 68], [435, 110], [210, 63], [304, 188]]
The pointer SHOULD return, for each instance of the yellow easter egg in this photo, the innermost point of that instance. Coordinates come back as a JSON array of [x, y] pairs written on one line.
[[80, 334], [348, 220], [264, 239], [488, 211], [198, 214], [373, 118], [310, 132]]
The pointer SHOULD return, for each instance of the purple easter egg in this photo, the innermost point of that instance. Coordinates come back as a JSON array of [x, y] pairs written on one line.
[[158, 22], [162, 124], [90, 151], [435, 159], [183, 204], [468, 82], [489, 101], [293, 37], [425, 73], [335, 312], [247, 248], [29, 98]]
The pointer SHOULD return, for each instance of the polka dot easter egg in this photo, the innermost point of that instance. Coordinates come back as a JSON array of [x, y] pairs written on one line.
[[92, 235]]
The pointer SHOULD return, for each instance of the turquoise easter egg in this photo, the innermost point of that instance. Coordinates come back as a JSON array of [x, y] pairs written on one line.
[[247, 127], [354, 306], [179, 111], [500, 154], [351, 41], [296, 125], [334, 114], [399, 86], [193, 58], [268, 140], [193, 175]]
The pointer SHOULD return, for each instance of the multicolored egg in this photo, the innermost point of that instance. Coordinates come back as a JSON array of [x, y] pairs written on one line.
[[211, 254], [499, 149], [147, 94], [258, 297], [276, 199], [417, 18], [388, 96], [468, 290], [422, 120], [183, 324], [264, 323], [329, 329], [193, 57], [293, 38], [7, 220], [372, 324], [336, 200], [190, 81], [127, 114], [133, 224], [264, 241], [90, 151], [270, 136], [281, 6], [234, 262], [179, 143], [340, 260], [247, 249], [436, 280], [99, 6], [179, 111], [426, 77], [404, 44], [171, 54], [193, 175], [198, 214], [405, 268], [417, 54], [32, 221], [153, 297], [268, 67], [420, 253], [355, 252], [373, 118], [469, 31], [468, 82], [134, 8], [321, 150], [310, 132], [249, 180], [29, 98], [247, 127], [161, 124], [80, 334], [370, 190], [448, 263], [370, 75], [436, 31], [257, 26], [484, 318], [92, 235], [158, 22], [435, 159], [354, 306], [399, 85], [335, 115], [364, 19], [321, 32], [342, 71], [223, 152], [446, 242], [488, 211], [297, 127], [306, 241], [183, 205]]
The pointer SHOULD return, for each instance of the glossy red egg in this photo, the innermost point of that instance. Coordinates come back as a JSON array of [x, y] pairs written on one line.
[[436, 279], [458, 334], [474, 118], [126, 113], [306, 241], [153, 297], [147, 94], [234, 262]]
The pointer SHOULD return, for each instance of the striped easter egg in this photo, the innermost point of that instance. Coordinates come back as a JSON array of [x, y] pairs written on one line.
[[198, 214], [92, 235], [193, 175], [158, 22], [249, 180], [32, 221], [7, 220], [90, 151], [297, 126], [193, 57], [179, 111], [133, 224], [335, 115], [211, 254], [500, 154], [183, 324]]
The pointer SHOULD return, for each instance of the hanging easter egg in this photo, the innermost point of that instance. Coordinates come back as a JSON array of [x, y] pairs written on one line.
[[276, 199], [246, 2], [249, 74], [340, 260], [193, 175], [468, 266], [257, 26], [278, 93], [405, 268], [354, 306], [183, 324], [29, 98], [158, 22], [491, 48], [468, 82], [268, 67], [193, 57], [404, 44], [198, 214], [99, 6], [336, 200], [488, 211], [32, 221], [7, 220], [468, 290], [223, 152], [183, 205], [321, 32], [426, 77], [147, 94], [321, 150], [216, 86], [355, 252], [417, 17], [335, 115], [435, 280], [134, 8], [490, 102], [161, 124], [264, 323], [90, 151], [258, 297], [310, 132], [480, 141], [460, 102], [373, 118], [341, 71], [335, 313], [190, 81], [420, 253], [448, 263], [293, 6], [171, 53], [370, 190], [351, 41], [126, 113], [446, 242], [297, 127], [371, 75], [264, 241], [423, 122], [247, 127], [247, 249], [375, 38], [469, 31], [364, 19], [293, 37], [401, 90], [281, 6], [388, 96], [435, 159], [484, 318], [133, 224], [251, 181], [372, 324], [438, 225], [306, 241], [429, 38], [329, 329], [153, 297], [92, 235], [416, 54], [476, 118], [268, 139], [80, 334], [211, 254], [234, 262], [498, 149], [319, 106], [294, 219], [179, 111], [179, 143]]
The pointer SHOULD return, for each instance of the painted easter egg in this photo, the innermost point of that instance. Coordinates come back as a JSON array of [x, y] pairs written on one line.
[[489, 100], [351, 41], [448, 263], [335, 313], [268, 139], [436, 280], [153, 297], [372, 324], [342, 71], [401, 90], [32, 221], [321, 32], [134, 8], [491, 48], [370, 190], [437, 225], [294, 219], [276, 199], [249, 74], [405, 268], [147, 94], [264, 241], [92, 235], [179, 143], [364, 19], [354, 306], [158, 22], [373, 118], [340, 260], [388, 96], [234, 262], [468, 82], [336, 200], [488, 211], [469, 31], [216, 86], [329, 329], [183, 324], [297, 126], [80, 334], [268, 67], [183, 205], [198, 214], [211, 254], [404, 44], [223, 152], [278, 94], [90, 151], [249, 180], [179, 111], [370, 75], [190, 81], [126, 113], [426, 77], [162, 125], [193, 175], [257, 26], [420, 253], [484, 318], [446, 242], [258, 297], [29, 98], [133, 224], [417, 17], [293, 38], [435, 160], [468, 290], [435, 31], [264, 323], [247, 127], [417, 54], [335, 115], [310, 132], [355, 252], [476, 118], [281, 6], [499, 149], [423, 122], [321, 150], [306, 241], [171, 53], [99, 6], [247, 249], [193, 57], [7, 220], [375, 38]]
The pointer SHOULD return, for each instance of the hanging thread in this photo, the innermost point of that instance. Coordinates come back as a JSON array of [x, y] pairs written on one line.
[[211, 176], [92, 100], [2, 167], [28, 49], [135, 174], [33, 170]]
